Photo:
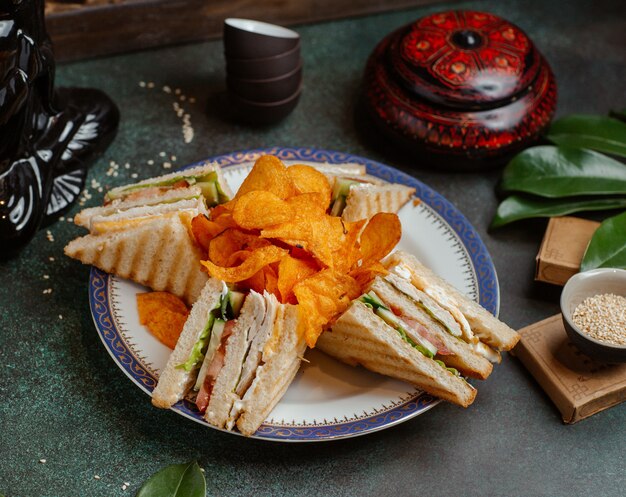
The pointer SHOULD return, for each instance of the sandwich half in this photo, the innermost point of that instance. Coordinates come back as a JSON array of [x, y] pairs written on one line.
[[356, 198], [208, 177], [369, 334], [155, 250], [238, 365], [478, 325]]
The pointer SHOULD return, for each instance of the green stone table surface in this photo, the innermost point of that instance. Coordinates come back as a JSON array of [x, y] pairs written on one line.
[[64, 400]]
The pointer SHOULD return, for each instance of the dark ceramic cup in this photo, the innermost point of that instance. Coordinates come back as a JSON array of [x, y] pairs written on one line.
[[265, 67], [266, 90], [263, 112], [250, 39]]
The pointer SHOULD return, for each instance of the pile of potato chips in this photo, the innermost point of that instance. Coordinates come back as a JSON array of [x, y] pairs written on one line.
[[276, 235]]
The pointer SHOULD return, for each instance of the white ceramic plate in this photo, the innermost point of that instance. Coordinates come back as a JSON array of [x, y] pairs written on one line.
[[327, 400]]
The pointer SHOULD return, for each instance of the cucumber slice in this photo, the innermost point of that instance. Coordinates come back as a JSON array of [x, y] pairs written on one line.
[[341, 188], [338, 206], [198, 351], [417, 341], [214, 343], [209, 190], [236, 301], [373, 301]]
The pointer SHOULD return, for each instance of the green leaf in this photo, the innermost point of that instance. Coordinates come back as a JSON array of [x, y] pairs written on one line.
[[604, 134], [554, 172], [177, 480], [607, 247], [517, 207]]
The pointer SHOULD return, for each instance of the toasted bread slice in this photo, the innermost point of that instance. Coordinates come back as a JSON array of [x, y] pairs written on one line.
[[461, 355], [359, 337], [485, 325], [158, 253], [121, 192], [281, 360], [365, 200], [174, 382], [223, 394], [170, 197]]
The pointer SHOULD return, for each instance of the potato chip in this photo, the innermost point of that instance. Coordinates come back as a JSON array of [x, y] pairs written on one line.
[[268, 174], [290, 272], [230, 242], [163, 314], [381, 234], [307, 179], [204, 231], [257, 259], [260, 209], [364, 275], [322, 298]]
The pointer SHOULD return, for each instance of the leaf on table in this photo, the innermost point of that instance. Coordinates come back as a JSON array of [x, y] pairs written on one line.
[[607, 247], [601, 133], [517, 207], [554, 172], [177, 480]]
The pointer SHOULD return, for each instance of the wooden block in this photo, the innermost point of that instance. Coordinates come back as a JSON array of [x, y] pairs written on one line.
[[562, 248], [578, 385]]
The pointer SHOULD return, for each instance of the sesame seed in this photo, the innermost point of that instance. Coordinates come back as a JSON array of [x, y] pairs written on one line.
[[42, 461], [150, 84], [177, 91], [173, 158], [96, 477], [150, 162], [51, 259], [167, 89], [62, 218], [60, 316], [70, 219], [142, 84], [182, 98], [47, 291], [49, 236], [46, 276], [602, 317], [127, 166], [192, 100], [134, 175], [161, 154], [167, 165], [124, 487]]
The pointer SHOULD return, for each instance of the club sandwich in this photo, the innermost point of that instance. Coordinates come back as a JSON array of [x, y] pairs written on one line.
[[236, 357]]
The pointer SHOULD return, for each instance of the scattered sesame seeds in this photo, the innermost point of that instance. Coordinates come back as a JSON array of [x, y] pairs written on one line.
[[602, 317], [51, 259], [173, 158], [49, 236], [134, 175], [142, 84], [162, 154], [42, 461], [127, 166], [150, 162], [96, 477], [167, 89], [62, 218], [71, 219], [47, 291], [60, 316], [167, 165], [46, 276], [124, 487]]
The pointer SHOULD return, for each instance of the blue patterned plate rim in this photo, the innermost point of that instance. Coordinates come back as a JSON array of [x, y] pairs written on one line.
[[488, 296]]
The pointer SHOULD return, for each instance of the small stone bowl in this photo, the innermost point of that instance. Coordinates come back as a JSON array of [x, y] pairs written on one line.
[[250, 39], [266, 67], [577, 289]]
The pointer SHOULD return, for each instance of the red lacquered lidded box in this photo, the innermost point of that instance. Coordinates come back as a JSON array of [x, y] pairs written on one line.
[[460, 89]]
